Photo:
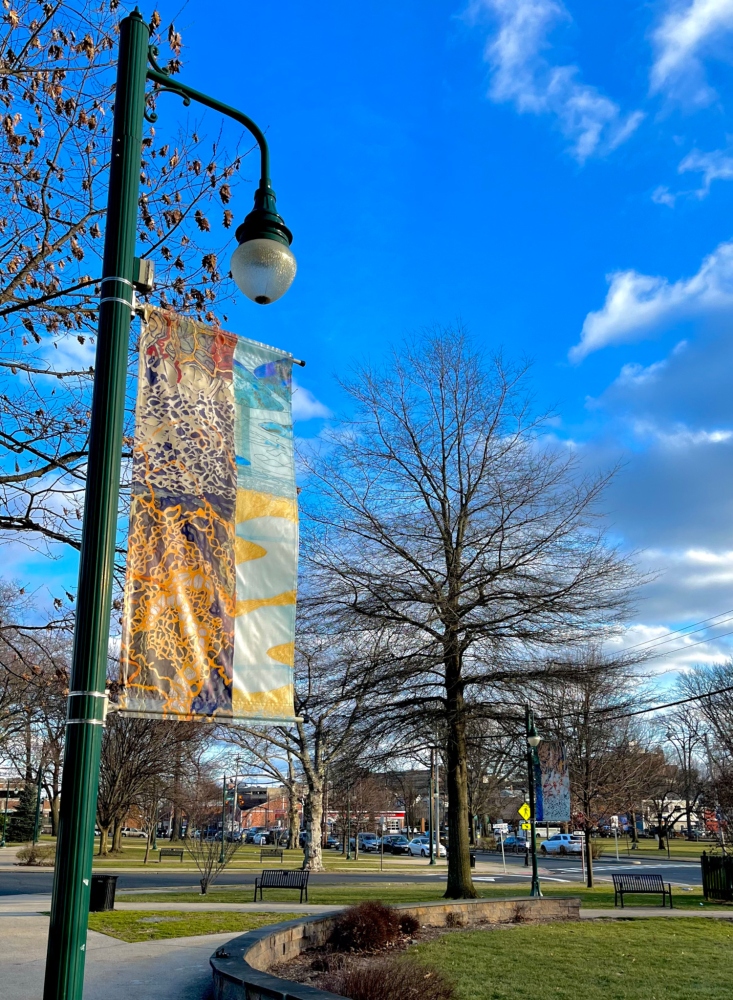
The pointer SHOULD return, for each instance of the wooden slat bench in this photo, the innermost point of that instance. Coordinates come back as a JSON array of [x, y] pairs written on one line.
[[638, 884], [279, 878], [271, 852], [170, 852]]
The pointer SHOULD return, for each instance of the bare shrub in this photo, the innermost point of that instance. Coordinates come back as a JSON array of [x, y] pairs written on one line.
[[409, 925], [455, 920], [366, 927], [37, 854], [396, 978]]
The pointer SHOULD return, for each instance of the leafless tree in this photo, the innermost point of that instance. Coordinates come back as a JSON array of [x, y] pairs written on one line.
[[684, 735], [588, 712], [210, 853], [135, 754], [438, 516]]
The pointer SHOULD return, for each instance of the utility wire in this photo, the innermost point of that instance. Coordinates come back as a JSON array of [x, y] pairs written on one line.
[[669, 704], [683, 649], [660, 639]]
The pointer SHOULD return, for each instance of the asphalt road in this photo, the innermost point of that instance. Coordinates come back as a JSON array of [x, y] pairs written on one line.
[[557, 870]]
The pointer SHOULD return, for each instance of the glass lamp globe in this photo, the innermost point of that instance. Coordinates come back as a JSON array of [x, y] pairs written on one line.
[[263, 269], [534, 739]]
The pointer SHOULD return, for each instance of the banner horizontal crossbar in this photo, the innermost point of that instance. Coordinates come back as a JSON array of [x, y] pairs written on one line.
[[218, 720]]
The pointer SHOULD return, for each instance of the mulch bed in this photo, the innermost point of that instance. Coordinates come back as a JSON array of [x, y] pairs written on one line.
[[313, 967]]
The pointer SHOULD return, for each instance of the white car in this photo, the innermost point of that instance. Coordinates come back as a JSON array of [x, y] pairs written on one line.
[[420, 847], [563, 843]]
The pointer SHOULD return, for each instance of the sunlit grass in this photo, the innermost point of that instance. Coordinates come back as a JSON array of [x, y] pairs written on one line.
[[142, 925], [645, 960]]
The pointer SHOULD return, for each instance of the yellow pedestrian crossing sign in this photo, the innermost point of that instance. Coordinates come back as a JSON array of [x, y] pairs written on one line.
[[524, 811]]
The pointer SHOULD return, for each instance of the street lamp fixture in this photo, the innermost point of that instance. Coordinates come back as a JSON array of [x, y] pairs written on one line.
[[263, 265]]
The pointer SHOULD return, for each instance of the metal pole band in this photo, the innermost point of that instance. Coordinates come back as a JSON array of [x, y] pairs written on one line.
[[123, 280], [86, 706], [116, 298]]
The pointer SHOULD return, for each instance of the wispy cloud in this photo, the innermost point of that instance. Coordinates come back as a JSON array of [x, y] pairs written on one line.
[[714, 166], [521, 75], [688, 32], [638, 304], [306, 406]]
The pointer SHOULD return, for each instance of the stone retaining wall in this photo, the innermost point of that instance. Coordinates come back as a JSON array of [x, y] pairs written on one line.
[[240, 966]]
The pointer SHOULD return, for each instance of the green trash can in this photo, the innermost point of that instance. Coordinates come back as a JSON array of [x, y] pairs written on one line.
[[102, 896]]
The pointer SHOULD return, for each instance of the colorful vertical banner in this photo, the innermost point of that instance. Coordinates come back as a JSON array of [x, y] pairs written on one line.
[[552, 783], [209, 618]]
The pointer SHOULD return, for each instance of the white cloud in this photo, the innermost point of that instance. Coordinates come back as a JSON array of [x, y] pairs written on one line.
[[663, 196], [637, 304], [688, 32], [306, 406], [521, 75], [717, 165]]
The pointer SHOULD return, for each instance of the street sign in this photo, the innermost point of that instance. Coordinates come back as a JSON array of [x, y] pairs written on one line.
[[524, 811], [501, 828], [526, 826], [614, 822]]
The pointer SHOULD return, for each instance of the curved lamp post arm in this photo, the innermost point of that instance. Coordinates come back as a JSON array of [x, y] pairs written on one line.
[[170, 85]]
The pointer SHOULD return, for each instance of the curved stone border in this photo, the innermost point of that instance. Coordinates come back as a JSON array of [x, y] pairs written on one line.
[[240, 966]]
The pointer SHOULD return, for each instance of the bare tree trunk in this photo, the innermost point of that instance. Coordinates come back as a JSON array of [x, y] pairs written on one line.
[[460, 885], [104, 840], [148, 841], [117, 838], [313, 859]]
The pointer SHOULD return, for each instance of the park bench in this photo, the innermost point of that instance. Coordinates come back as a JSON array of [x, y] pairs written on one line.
[[279, 878], [650, 883], [271, 852], [170, 852]]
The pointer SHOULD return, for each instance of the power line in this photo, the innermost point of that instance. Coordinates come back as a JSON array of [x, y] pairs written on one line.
[[683, 649], [660, 639], [669, 704]]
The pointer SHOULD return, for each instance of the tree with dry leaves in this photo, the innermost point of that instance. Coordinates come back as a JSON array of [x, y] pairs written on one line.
[[57, 76]]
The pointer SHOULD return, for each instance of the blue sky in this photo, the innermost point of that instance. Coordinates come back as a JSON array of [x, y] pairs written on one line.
[[557, 176]]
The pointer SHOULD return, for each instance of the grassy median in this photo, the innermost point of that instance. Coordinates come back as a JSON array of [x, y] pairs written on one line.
[[644, 960], [142, 925]]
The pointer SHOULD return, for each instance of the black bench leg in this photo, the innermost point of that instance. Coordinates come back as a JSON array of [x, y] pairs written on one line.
[[669, 886]]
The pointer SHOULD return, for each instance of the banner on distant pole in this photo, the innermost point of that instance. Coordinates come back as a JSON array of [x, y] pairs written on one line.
[[552, 783], [209, 617]]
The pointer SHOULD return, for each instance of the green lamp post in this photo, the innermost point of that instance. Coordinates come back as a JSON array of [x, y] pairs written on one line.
[[533, 741], [263, 268], [3, 841]]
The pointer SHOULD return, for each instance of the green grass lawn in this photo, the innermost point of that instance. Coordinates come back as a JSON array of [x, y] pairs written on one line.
[[407, 892], [678, 848], [142, 925], [644, 960]]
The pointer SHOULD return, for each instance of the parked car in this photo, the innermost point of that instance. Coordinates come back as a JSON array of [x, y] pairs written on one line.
[[368, 842], [398, 845], [252, 833], [563, 843], [420, 847], [132, 831], [333, 842], [515, 844]]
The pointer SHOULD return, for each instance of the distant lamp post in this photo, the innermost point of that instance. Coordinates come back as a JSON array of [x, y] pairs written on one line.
[[5, 817], [533, 741], [37, 823]]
